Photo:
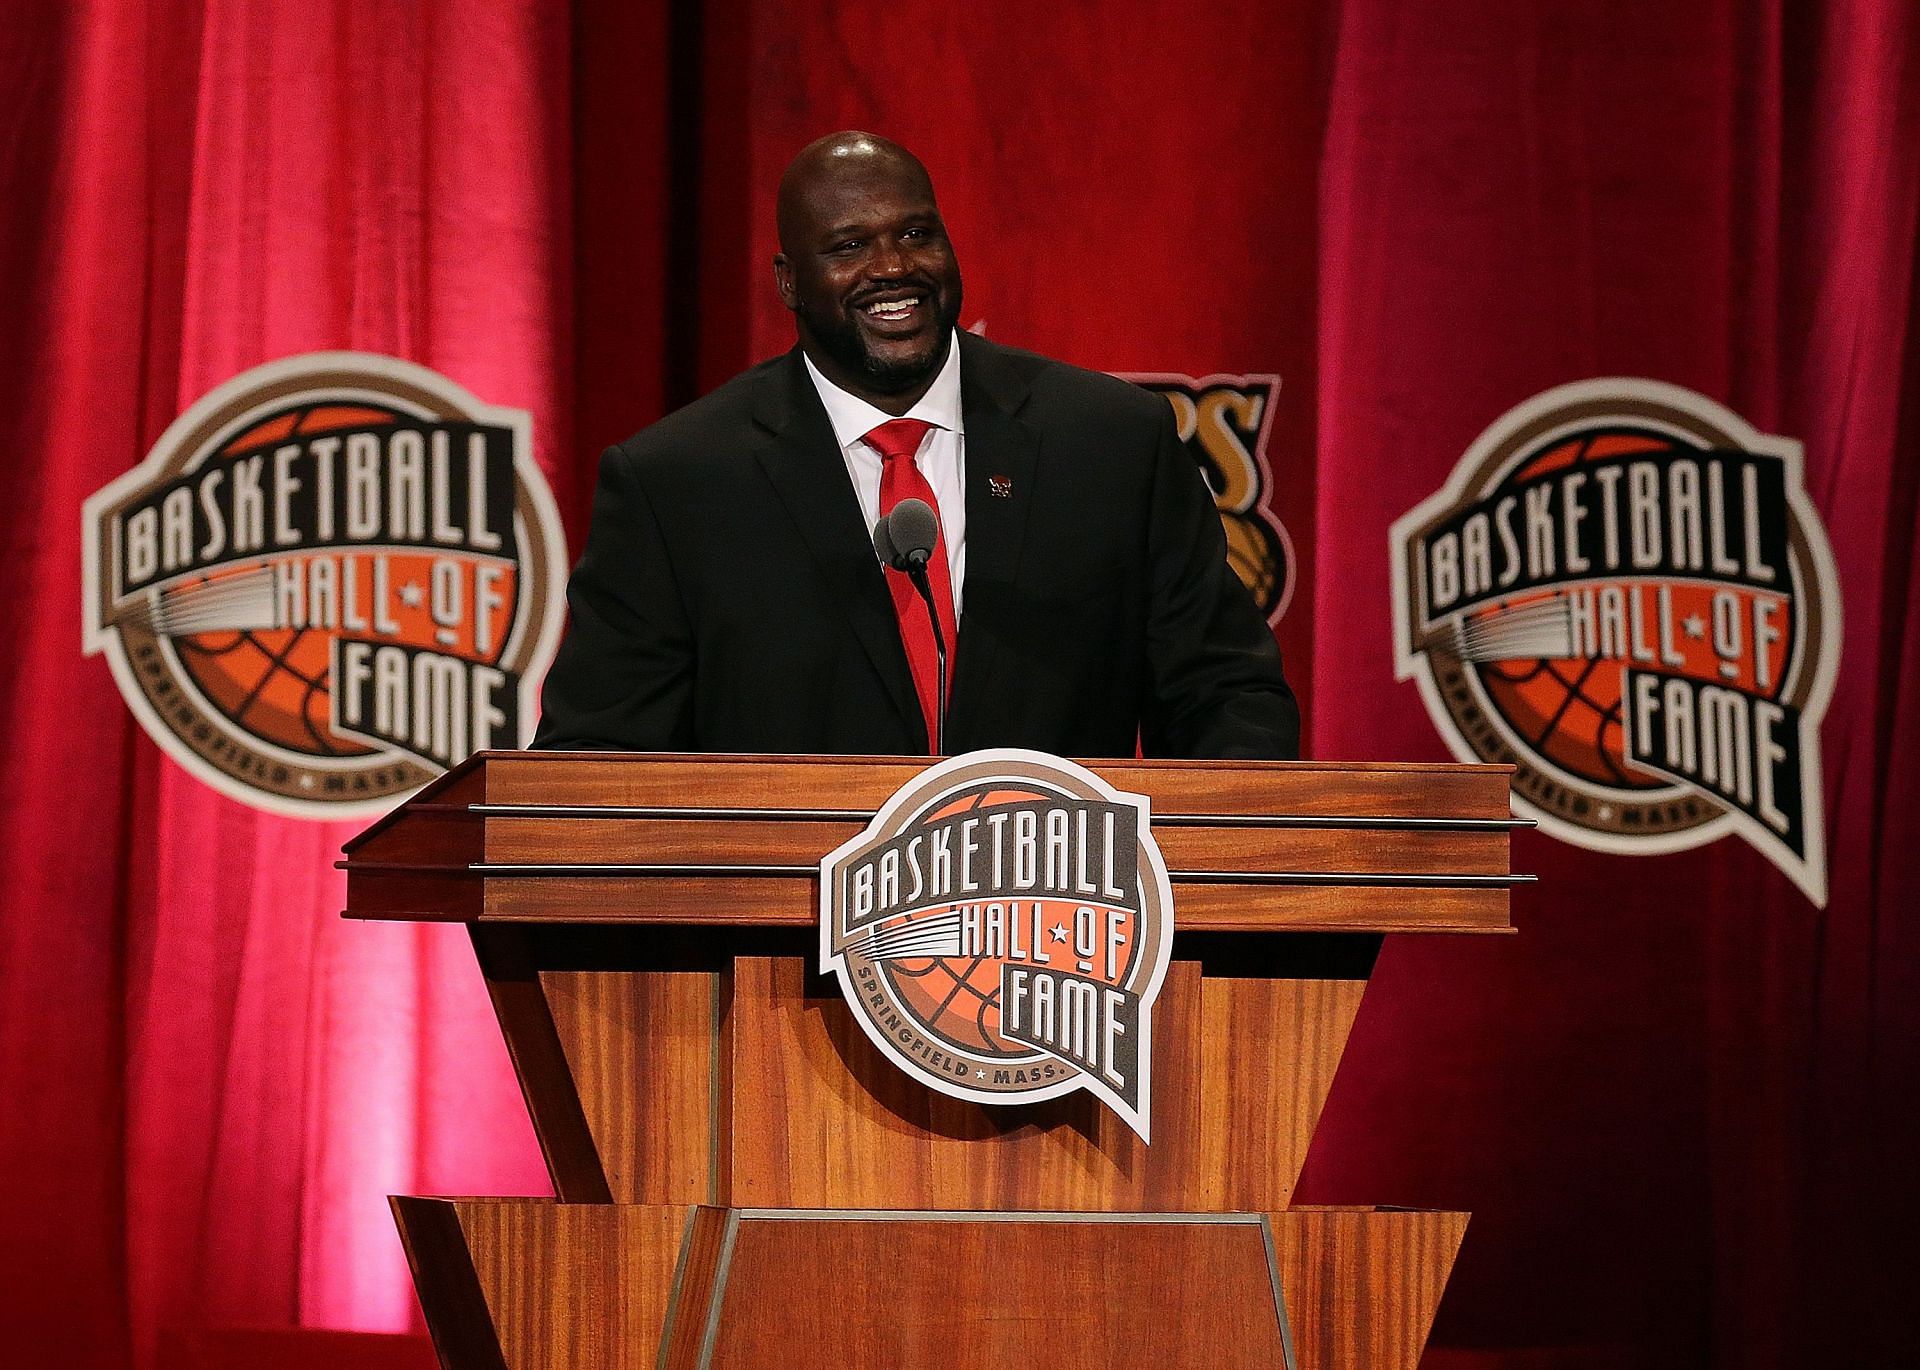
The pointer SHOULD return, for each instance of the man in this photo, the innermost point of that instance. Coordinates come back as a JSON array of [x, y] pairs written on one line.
[[730, 598]]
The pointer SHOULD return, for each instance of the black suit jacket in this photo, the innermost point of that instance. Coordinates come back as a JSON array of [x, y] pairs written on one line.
[[729, 599]]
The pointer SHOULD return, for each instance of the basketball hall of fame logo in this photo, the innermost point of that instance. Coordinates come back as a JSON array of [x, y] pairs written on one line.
[[1225, 422], [1001, 930], [1624, 591], [332, 578]]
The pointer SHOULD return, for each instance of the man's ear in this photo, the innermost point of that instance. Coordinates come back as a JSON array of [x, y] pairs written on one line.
[[783, 280]]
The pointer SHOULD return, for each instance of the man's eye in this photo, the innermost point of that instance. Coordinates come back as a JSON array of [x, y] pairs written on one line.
[[852, 245]]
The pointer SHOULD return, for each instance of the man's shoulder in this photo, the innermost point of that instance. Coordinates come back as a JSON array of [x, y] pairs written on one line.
[[1049, 383]]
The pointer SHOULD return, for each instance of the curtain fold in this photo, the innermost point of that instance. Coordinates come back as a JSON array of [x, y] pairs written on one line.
[[1681, 1081], [213, 1080]]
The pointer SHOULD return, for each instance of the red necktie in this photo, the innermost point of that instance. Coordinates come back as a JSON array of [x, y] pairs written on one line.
[[896, 442]]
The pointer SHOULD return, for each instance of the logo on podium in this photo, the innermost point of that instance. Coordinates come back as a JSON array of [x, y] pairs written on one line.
[[1001, 930]]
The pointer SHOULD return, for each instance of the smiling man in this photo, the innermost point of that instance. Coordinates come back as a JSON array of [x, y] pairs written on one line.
[[730, 598], [866, 268]]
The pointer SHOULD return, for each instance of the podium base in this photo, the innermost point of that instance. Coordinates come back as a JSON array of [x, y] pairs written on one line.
[[531, 1284]]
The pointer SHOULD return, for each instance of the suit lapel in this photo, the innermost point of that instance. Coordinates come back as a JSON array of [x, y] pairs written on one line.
[[1002, 458], [803, 463]]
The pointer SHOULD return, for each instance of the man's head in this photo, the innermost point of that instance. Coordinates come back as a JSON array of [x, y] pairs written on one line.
[[866, 268]]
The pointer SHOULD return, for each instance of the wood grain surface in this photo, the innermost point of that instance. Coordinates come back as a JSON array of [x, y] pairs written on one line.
[[821, 1119], [511, 839], [614, 837], [641, 1050], [1267, 1051], [907, 1291], [539, 1286], [563, 1285], [1363, 1284], [440, 1254], [686, 1068], [753, 1084], [795, 902], [548, 1073], [699, 1276], [657, 778]]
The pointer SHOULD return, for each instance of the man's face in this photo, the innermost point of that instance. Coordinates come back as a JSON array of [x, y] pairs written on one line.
[[870, 277]]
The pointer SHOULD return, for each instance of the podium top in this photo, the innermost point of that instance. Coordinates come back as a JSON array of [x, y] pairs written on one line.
[[657, 838]]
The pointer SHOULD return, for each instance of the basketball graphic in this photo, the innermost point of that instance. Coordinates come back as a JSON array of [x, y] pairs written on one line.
[[1001, 930], [959, 996], [1225, 423], [1259, 557], [1625, 593], [271, 681], [332, 578]]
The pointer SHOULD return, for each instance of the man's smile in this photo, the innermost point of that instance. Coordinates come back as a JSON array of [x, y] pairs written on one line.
[[897, 313]]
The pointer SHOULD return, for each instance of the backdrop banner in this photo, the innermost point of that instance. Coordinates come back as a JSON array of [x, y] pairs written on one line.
[[1392, 263]]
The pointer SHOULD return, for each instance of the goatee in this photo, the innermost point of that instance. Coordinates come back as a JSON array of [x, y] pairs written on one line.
[[841, 338]]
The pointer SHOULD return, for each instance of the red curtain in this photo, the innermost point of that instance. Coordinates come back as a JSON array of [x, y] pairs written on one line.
[[1679, 1103], [1680, 1100], [211, 1082]]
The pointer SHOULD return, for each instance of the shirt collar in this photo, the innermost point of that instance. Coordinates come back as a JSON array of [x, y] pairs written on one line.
[[853, 418]]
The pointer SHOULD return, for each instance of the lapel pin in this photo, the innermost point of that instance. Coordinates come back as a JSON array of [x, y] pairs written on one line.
[[1000, 487]]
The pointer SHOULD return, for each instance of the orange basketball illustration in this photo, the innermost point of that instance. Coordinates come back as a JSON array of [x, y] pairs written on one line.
[[271, 681], [959, 997], [1569, 706], [1256, 554], [1569, 709]]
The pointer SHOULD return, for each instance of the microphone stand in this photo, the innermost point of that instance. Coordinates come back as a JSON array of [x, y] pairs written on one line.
[[916, 569], [913, 562]]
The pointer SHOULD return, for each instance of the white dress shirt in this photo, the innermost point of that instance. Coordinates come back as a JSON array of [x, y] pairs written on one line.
[[942, 457]]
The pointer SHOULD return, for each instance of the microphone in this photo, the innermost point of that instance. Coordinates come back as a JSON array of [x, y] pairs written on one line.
[[911, 531], [904, 539]]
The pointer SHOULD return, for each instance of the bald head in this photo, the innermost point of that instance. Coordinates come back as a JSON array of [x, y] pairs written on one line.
[[830, 166], [866, 268]]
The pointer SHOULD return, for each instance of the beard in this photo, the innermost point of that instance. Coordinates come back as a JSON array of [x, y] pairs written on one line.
[[840, 336]]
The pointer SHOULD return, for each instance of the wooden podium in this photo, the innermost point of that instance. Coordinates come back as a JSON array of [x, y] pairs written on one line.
[[742, 1179]]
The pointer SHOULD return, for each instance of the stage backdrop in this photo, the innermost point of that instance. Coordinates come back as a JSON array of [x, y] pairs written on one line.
[[1679, 1102]]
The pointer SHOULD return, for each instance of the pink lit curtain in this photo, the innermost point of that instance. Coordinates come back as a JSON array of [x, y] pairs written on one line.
[[208, 1081], [1679, 1103]]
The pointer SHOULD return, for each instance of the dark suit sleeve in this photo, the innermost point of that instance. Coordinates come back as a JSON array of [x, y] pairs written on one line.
[[1216, 687], [623, 678]]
